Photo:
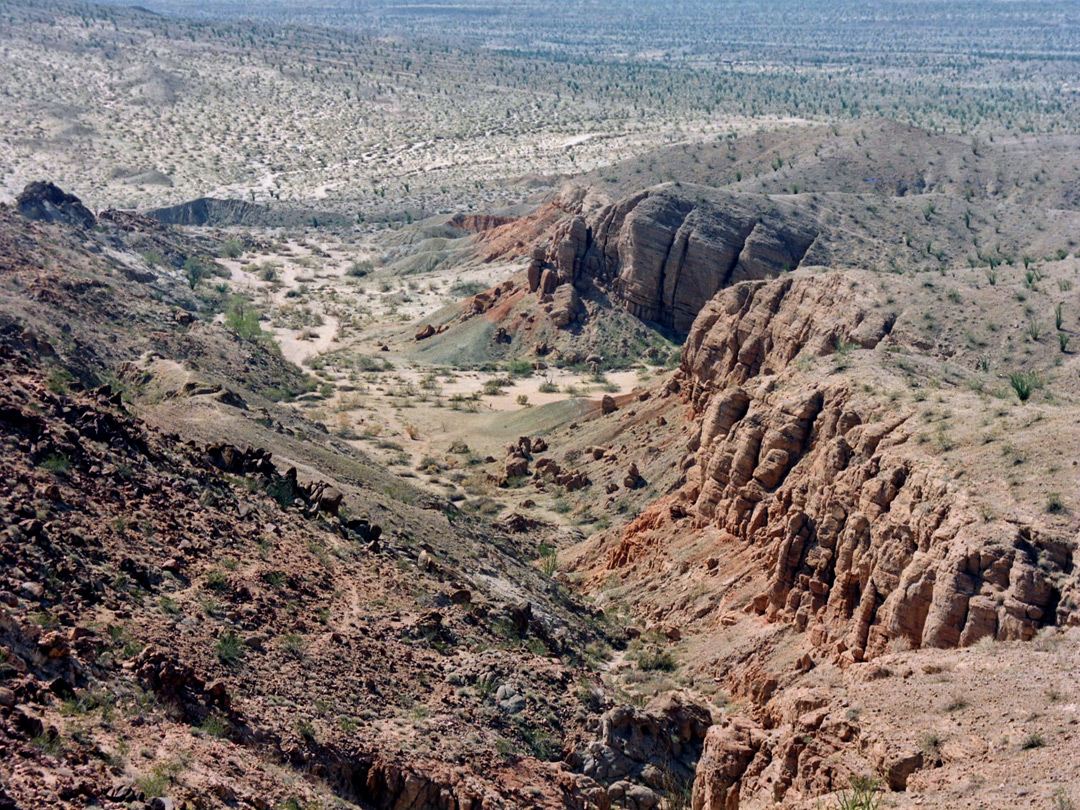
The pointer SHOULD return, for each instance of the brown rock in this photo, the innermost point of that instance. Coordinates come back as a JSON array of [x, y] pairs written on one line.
[[565, 305], [516, 466]]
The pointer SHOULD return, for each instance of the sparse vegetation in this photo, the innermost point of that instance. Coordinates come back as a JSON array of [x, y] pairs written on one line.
[[863, 793], [1024, 383], [229, 648]]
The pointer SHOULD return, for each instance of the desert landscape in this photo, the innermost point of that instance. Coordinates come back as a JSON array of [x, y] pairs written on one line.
[[539, 405]]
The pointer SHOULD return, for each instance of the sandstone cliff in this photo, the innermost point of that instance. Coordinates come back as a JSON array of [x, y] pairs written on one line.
[[211, 212]]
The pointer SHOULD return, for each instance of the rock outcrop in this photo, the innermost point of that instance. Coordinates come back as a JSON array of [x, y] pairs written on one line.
[[44, 201], [659, 745], [211, 212], [859, 540], [663, 253], [791, 751]]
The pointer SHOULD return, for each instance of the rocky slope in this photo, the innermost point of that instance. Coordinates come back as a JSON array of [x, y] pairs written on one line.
[[863, 545], [816, 528], [214, 603]]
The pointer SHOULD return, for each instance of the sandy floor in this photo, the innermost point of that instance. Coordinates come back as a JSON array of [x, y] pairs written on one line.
[[408, 415]]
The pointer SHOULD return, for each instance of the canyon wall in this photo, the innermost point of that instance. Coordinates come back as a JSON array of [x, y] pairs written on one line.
[[662, 253], [862, 538]]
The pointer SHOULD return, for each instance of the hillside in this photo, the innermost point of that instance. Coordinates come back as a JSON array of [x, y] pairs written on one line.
[[490, 405]]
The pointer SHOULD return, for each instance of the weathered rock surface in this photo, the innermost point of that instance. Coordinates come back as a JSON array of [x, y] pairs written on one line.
[[789, 753], [663, 253], [859, 542], [660, 744], [46, 202], [212, 212]]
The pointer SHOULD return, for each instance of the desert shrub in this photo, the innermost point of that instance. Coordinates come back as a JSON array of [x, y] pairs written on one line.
[[861, 795], [293, 644], [195, 271], [549, 560], [58, 464], [656, 661], [544, 745], [1023, 383], [216, 580], [520, 368], [495, 385], [466, 289], [244, 320], [1033, 740], [216, 726], [360, 269], [60, 381], [229, 648]]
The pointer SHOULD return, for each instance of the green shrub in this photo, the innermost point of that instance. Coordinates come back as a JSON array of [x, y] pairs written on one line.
[[1024, 383], [544, 745], [195, 271], [360, 269], [216, 580], [229, 648], [58, 464], [293, 644], [243, 318], [520, 368], [656, 661], [1033, 740], [466, 289], [216, 726], [862, 795]]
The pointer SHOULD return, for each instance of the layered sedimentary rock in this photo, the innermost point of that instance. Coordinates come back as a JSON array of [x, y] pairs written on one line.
[[664, 252], [860, 539]]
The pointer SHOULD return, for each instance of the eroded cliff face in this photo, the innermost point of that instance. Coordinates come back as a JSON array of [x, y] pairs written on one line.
[[858, 537], [664, 252]]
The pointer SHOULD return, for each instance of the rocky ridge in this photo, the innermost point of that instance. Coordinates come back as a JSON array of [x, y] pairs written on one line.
[[813, 534], [662, 253], [861, 545]]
